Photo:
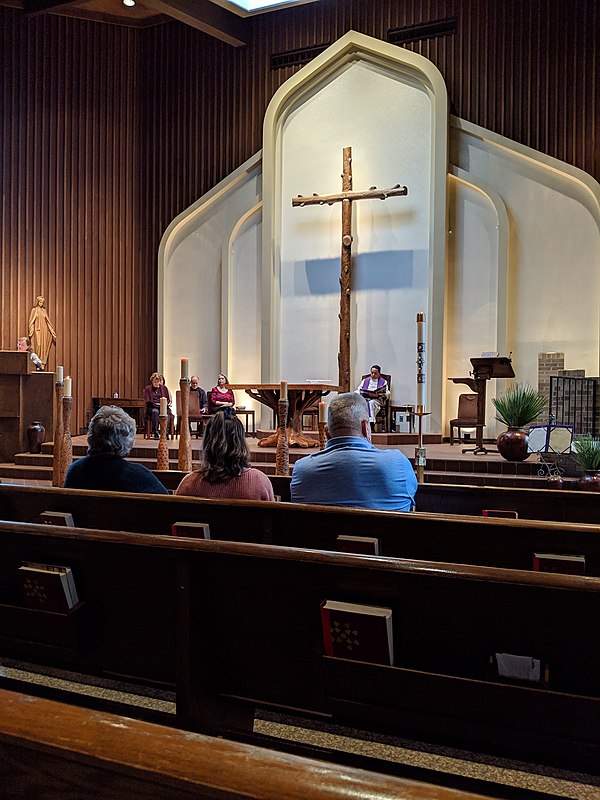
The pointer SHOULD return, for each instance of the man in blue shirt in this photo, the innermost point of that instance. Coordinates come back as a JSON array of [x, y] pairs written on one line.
[[350, 471]]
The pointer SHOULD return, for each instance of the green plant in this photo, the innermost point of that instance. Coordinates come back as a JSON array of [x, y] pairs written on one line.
[[587, 452], [519, 405]]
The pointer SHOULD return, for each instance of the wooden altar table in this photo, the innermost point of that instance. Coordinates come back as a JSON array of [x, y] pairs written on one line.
[[300, 396]]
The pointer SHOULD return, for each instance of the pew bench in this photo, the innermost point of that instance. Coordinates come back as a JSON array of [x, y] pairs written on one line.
[[237, 627], [52, 749], [434, 537]]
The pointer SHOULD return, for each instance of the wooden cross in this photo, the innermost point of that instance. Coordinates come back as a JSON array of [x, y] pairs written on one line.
[[346, 198]]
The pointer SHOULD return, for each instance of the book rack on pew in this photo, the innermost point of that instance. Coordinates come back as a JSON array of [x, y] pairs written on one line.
[[243, 624]]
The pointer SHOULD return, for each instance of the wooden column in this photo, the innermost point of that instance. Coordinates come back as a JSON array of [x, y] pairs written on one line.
[[185, 439]]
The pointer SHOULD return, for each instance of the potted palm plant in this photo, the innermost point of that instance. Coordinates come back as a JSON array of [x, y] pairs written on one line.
[[587, 454], [517, 408]]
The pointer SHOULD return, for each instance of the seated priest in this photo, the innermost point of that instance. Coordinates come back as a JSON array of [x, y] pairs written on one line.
[[350, 471], [152, 394], [375, 390], [111, 434]]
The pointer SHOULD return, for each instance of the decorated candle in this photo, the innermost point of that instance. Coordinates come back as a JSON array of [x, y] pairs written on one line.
[[283, 392], [421, 394], [185, 368], [322, 412], [163, 407], [59, 374], [68, 387]]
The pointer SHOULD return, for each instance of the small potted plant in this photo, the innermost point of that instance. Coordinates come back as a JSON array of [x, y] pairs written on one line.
[[517, 408], [586, 451]]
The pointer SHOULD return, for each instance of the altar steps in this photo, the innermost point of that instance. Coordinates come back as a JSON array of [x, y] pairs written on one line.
[[445, 464]]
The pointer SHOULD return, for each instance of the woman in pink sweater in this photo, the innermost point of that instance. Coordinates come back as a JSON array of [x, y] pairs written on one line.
[[225, 471]]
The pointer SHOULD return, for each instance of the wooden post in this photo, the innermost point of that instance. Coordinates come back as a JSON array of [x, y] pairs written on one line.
[[282, 457], [185, 439], [66, 450], [162, 452], [322, 436], [58, 432], [345, 276]]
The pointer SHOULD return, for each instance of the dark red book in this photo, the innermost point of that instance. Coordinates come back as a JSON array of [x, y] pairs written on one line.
[[361, 633], [566, 563]]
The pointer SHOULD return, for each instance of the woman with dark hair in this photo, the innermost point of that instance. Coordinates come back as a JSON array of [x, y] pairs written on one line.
[[221, 396], [225, 470]]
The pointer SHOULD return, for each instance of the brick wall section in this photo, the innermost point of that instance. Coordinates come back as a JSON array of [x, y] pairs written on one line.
[[548, 364]]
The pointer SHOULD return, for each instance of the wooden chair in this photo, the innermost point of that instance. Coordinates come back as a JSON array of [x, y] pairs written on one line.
[[148, 426], [195, 413], [384, 417], [467, 416]]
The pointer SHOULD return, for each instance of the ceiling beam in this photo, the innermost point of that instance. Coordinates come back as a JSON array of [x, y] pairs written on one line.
[[42, 6], [206, 17]]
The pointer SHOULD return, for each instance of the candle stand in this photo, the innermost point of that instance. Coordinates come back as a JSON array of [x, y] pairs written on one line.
[[185, 438], [282, 457], [66, 449], [58, 432], [162, 451]]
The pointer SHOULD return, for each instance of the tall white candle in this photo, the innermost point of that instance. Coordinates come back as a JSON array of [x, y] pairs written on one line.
[[163, 407], [59, 374], [322, 412], [421, 393], [68, 387], [185, 368]]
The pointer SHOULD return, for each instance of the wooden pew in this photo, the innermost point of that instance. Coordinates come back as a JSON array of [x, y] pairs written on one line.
[[55, 750], [248, 635], [435, 537], [559, 505]]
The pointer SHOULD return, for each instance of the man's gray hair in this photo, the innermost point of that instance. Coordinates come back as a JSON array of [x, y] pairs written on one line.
[[347, 411], [111, 432]]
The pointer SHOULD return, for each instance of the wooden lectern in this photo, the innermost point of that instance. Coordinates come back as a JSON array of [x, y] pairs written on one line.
[[25, 396], [483, 370]]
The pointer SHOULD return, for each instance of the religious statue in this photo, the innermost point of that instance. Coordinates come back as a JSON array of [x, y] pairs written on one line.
[[41, 331]]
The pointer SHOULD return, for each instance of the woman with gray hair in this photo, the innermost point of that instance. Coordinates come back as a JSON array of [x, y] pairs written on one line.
[[111, 434]]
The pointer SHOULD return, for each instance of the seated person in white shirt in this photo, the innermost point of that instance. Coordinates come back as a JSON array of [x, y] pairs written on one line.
[[375, 390]]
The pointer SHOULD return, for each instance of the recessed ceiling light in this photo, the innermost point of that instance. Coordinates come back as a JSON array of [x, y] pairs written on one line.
[[128, 2]]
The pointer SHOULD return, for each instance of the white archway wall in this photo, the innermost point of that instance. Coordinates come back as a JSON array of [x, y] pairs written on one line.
[[392, 102], [391, 244], [476, 302], [190, 277], [244, 307], [554, 248]]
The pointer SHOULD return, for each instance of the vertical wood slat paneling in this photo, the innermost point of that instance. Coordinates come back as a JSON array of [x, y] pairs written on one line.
[[70, 165], [109, 132]]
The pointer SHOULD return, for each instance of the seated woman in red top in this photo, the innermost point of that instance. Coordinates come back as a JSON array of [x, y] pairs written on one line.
[[225, 470], [220, 395]]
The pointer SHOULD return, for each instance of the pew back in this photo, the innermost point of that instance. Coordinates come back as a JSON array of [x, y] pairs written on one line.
[[437, 537]]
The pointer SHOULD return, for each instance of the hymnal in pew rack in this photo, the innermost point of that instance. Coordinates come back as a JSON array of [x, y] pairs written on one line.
[[566, 563], [357, 632], [48, 587]]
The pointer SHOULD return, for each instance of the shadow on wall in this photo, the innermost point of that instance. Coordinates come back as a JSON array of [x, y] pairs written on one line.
[[386, 270]]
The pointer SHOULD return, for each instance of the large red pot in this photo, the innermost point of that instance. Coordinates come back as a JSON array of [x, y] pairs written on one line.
[[512, 444]]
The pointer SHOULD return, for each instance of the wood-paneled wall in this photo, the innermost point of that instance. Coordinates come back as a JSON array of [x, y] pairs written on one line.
[[109, 132]]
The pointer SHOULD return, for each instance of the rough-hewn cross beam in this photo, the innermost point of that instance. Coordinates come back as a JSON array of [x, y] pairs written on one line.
[[346, 198], [206, 17]]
